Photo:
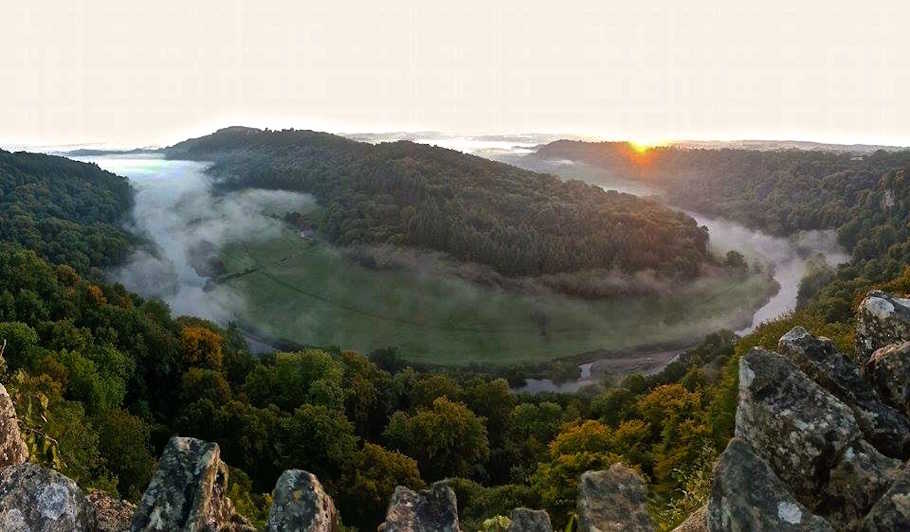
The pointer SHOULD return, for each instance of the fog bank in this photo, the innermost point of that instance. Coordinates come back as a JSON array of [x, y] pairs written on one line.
[[186, 224]]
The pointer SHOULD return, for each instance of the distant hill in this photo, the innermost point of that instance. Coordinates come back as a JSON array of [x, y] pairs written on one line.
[[69, 212], [519, 222]]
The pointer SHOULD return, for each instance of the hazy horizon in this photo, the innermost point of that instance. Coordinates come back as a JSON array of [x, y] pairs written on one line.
[[126, 74]]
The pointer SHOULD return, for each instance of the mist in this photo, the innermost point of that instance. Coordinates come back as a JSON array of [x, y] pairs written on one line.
[[789, 258], [186, 224]]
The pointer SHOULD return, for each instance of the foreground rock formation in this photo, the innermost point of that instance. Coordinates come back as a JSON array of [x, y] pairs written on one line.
[[187, 491], [527, 520], [431, 510], [13, 450], [821, 439], [612, 500], [300, 503], [36, 498]]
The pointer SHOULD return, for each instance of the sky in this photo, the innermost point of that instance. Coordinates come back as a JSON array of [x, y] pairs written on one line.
[[126, 73]]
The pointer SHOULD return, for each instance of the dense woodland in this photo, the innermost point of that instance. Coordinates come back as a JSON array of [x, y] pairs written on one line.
[[101, 378], [517, 221], [865, 198], [69, 212]]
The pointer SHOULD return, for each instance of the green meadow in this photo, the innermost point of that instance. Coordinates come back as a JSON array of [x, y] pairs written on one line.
[[311, 293]]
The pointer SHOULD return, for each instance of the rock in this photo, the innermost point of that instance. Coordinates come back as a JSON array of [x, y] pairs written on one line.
[[889, 370], [612, 500], [431, 510], [36, 499], [892, 511], [112, 515], [527, 520], [855, 483], [882, 320], [13, 450], [187, 491], [799, 428], [300, 503], [696, 522], [747, 495], [885, 427]]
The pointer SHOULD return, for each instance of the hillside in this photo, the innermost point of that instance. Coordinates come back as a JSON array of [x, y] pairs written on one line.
[[517, 221], [70, 212]]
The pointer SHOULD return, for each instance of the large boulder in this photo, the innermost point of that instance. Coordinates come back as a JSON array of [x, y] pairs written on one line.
[[882, 320], [431, 510], [855, 483], [187, 491], [892, 511], [696, 522], [300, 503], [747, 495], [13, 450], [527, 520], [612, 500], [113, 515], [36, 499], [889, 370], [799, 428], [884, 426]]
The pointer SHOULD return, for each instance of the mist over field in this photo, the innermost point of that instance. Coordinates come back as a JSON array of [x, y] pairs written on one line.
[[186, 224]]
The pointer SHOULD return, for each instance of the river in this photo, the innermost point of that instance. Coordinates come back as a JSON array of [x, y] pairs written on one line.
[[162, 184]]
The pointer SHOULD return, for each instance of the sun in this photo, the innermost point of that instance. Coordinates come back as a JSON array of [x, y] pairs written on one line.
[[642, 146]]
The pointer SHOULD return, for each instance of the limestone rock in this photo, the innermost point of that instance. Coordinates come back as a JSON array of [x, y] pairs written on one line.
[[696, 522], [855, 483], [187, 491], [889, 370], [112, 515], [796, 426], [33, 498], [431, 510], [13, 450], [747, 495], [527, 520], [892, 511], [301, 504], [612, 500], [882, 320], [884, 426]]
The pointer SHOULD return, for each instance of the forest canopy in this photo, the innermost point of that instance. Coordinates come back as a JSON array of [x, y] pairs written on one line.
[[69, 212], [517, 221]]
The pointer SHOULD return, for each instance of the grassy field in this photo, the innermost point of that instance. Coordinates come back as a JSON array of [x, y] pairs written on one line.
[[309, 292]]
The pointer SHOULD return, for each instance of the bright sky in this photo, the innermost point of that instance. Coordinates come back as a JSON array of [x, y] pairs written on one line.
[[153, 72]]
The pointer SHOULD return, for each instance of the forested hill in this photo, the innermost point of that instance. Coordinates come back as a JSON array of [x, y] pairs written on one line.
[[69, 212], [779, 191], [519, 222]]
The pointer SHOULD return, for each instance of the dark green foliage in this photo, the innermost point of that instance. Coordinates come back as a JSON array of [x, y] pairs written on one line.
[[67, 211], [517, 221]]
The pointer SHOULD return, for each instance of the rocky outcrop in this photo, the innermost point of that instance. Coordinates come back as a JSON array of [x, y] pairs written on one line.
[[13, 450], [527, 520], [882, 320], [612, 500], [33, 498], [892, 511], [820, 443], [747, 495], [791, 422], [696, 522], [859, 478], [881, 424], [431, 510], [889, 371], [300, 503], [187, 491], [112, 515]]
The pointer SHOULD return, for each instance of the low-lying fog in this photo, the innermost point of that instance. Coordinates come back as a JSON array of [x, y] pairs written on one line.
[[186, 223]]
